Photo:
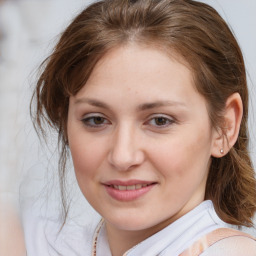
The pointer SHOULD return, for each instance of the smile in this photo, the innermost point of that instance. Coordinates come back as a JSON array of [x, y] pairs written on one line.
[[131, 187], [128, 191]]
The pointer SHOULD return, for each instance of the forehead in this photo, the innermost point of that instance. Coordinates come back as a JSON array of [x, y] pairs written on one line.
[[143, 73], [139, 60], [153, 51]]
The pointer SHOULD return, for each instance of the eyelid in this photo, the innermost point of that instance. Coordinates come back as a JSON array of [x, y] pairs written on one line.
[[85, 120], [161, 115], [92, 114], [168, 117], [171, 120]]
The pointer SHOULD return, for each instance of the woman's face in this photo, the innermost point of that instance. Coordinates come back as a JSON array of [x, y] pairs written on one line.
[[141, 139]]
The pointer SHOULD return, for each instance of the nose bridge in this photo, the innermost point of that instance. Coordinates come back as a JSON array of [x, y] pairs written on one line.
[[125, 150]]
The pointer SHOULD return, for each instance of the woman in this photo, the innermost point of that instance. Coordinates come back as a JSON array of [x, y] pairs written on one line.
[[150, 97]]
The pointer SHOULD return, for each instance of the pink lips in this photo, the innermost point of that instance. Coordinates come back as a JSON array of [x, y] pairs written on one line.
[[128, 190]]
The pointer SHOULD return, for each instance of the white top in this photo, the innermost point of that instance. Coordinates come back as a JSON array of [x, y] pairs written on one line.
[[42, 239]]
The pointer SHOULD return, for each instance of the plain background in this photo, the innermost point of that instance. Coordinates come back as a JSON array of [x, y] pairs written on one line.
[[28, 31]]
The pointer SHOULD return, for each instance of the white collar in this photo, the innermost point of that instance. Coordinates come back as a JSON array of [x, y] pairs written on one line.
[[173, 239]]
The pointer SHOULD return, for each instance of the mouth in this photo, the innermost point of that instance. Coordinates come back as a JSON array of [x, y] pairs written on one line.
[[130, 187], [128, 191]]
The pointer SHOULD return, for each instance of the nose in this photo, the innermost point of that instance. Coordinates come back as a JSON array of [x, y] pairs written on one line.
[[126, 150]]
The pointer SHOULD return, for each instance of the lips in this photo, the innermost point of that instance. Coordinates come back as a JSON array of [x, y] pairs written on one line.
[[128, 190], [131, 187]]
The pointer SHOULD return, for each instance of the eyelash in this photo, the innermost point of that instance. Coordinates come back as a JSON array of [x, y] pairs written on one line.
[[87, 121], [167, 121]]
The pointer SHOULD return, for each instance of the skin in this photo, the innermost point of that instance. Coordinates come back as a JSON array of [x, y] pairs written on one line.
[[11, 231], [115, 134]]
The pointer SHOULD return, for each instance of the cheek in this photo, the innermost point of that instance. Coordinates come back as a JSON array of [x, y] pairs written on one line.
[[85, 161], [87, 157], [184, 157]]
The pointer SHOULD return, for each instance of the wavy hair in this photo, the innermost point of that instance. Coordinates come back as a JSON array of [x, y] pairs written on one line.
[[201, 37]]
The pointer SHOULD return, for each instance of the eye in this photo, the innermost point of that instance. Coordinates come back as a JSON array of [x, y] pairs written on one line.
[[95, 121], [161, 121]]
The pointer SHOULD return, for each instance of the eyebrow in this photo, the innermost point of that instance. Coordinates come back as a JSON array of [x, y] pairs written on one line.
[[92, 102], [158, 104], [141, 107]]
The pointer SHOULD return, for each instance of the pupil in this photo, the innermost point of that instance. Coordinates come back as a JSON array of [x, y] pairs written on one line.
[[98, 120], [160, 121]]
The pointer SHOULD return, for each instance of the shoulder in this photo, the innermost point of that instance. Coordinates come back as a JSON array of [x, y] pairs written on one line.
[[232, 246]]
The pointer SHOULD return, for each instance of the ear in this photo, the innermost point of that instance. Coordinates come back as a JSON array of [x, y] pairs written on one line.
[[226, 136]]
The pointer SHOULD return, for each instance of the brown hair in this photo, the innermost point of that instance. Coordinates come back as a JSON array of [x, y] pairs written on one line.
[[193, 30]]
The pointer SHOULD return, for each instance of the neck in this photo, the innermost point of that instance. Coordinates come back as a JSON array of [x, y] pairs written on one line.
[[120, 241]]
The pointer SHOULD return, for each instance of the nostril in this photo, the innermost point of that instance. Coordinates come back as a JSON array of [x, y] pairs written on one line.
[[125, 154]]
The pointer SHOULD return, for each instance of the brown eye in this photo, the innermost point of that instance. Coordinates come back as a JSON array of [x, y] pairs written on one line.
[[95, 121], [98, 120], [160, 121]]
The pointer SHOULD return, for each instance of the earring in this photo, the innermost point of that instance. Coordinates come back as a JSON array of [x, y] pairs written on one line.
[[221, 151]]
